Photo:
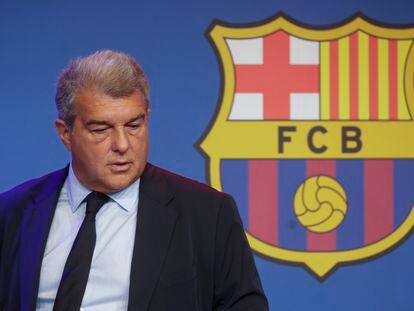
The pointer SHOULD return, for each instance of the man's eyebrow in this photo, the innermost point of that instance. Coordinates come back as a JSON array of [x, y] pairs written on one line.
[[103, 122], [139, 117], [97, 122]]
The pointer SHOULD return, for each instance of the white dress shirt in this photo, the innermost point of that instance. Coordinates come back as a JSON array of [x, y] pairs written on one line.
[[108, 283]]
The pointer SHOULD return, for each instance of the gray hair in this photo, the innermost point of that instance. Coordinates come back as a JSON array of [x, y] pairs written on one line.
[[107, 72]]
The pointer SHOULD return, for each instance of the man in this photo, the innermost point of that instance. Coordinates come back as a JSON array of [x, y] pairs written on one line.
[[111, 231]]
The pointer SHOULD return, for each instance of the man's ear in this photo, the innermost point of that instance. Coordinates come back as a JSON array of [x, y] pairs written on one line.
[[147, 112], [64, 133]]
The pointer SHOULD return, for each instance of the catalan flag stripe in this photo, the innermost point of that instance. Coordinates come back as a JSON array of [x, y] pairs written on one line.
[[403, 49], [383, 80], [334, 81], [373, 78], [343, 90], [363, 76], [353, 76], [393, 74]]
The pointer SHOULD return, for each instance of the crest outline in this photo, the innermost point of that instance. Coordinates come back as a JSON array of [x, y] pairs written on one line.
[[321, 264]]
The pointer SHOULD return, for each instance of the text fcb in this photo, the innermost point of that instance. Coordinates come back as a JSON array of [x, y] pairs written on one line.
[[314, 137]]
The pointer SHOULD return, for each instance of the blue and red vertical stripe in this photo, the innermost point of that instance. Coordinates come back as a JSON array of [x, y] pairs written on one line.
[[378, 191]]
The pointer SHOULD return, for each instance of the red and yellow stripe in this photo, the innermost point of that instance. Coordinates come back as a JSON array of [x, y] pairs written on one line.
[[362, 78]]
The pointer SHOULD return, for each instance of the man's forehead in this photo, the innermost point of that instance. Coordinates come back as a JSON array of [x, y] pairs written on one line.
[[101, 107], [97, 96]]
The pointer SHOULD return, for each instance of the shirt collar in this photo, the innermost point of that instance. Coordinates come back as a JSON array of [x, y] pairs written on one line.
[[127, 198]]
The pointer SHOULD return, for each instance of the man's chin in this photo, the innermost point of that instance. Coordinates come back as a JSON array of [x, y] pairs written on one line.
[[118, 184]]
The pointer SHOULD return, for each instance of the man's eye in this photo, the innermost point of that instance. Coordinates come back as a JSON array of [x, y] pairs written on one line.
[[134, 126], [99, 130]]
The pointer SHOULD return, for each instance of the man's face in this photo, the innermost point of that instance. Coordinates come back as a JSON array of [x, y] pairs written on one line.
[[108, 140]]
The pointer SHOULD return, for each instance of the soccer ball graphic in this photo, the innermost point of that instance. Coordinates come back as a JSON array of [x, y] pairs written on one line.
[[320, 204]]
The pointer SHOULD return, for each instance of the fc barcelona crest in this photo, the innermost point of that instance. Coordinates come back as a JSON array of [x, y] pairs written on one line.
[[314, 137]]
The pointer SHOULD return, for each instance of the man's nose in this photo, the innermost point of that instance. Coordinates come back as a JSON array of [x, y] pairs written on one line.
[[120, 141]]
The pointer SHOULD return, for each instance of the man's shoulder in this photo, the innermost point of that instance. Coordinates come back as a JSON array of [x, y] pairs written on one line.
[[183, 185], [192, 196], [30, 187]]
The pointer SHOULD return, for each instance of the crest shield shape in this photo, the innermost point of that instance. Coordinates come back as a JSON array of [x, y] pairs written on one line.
[[314, 137]]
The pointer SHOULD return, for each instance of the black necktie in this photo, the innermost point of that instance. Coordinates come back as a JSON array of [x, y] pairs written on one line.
[[75, 274]]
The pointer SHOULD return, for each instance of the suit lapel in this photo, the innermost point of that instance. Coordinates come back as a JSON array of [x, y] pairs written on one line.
[[155, 224], [36, 220]]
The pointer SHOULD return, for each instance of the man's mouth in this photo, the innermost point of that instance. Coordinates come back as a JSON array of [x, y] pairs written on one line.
[[120, 167]]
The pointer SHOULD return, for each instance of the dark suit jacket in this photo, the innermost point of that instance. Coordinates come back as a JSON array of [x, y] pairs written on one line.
[[190, 250]]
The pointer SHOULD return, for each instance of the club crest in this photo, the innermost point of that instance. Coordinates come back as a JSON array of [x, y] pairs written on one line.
[[314, 137]]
